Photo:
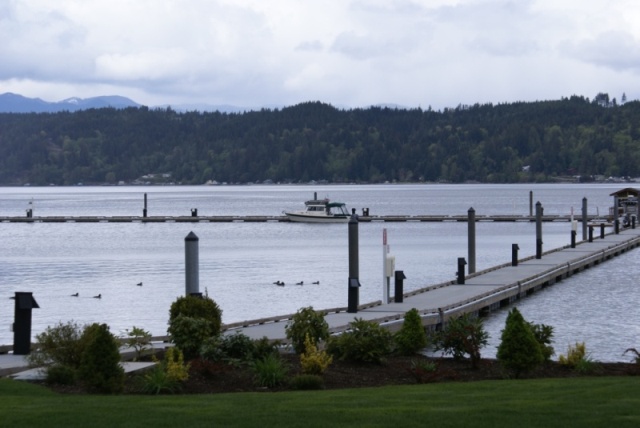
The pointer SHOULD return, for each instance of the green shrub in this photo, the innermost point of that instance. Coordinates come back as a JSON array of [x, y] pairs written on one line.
[[138, 339], [464, 335], [365, 341], [264, 347], [312, 360], [519, 351], [237, 346], [307, 382], [189, 334], [60, 375], [174, 365], [424, 371], [634, 351], [198, 307], [578, 359], [100, 366], [270, 371], [574, 355], [411, 337], [191, 321], [306, 321], [543, 334], [157, 381], [58, 346]]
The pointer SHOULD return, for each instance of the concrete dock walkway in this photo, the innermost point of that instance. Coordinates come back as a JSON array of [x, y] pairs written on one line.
[[482, 291]]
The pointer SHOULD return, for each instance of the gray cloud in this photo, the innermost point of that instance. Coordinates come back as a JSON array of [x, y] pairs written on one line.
[[345, 52]]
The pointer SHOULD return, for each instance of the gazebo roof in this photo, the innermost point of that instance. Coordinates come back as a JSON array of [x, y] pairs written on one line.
[[627, 191]]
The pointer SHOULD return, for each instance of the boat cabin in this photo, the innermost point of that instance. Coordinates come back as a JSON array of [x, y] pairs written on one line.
[[625, 205]]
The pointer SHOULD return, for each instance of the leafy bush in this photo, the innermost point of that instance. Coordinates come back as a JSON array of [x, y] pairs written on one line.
[[307, 382], [574, 355], [411, 337], [157, 381], [365, 342], [198, 307], [423, 371], [238, 346], [636, 359], [100, 365], [60, 375], [138, 339], [543, 334], [462, 336], [519, 351], [306, 321], [578, 359], [58, 346], [192, 320], [312, 360], [270, 371], [264, 347], [189, 334], [174, 365]]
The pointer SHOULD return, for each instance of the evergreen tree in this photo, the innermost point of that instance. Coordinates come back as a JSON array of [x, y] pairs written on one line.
[[519, 351]]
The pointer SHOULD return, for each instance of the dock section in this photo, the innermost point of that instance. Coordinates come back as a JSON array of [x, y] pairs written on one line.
[[482, 292], [276, 219]]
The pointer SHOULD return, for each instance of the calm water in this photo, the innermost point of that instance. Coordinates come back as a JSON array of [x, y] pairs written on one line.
[[240, 261]]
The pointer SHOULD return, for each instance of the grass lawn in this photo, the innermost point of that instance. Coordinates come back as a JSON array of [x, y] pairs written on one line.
[[575, 402]]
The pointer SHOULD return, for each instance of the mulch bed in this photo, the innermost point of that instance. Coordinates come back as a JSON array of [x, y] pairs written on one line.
[[211, 378]]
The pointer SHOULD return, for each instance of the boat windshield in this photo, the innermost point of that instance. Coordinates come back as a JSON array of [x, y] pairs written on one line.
[[338, 209]]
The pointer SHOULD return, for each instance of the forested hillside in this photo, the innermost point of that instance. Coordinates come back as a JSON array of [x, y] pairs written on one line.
[[314, 141]]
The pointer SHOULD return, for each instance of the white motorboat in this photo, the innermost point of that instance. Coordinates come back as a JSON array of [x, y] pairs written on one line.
[[321, 211]]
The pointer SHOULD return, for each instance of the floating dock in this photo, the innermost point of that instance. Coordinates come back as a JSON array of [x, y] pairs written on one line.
[[278, 219], [481, 292]]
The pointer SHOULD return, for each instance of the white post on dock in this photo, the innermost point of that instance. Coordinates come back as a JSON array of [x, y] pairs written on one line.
[[385, 273], [471, 240], [191, 265]]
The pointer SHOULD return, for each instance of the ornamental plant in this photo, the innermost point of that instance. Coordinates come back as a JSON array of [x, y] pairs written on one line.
[[192, 320], [139, 339], [411, 337], [175, 367], [464, 335], [100, 365], [519, 351], [306, 322], [364, 342], [312, 360]]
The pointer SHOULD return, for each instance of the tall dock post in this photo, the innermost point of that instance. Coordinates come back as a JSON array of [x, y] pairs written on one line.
[[144, 210], [514, 254], [538, 230], [472, 240], [584, 219], [530, 203], [22, 322], [460, 273], [192, 265], [354, 266]]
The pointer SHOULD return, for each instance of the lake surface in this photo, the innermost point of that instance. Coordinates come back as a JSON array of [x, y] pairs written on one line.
[[240, 261]]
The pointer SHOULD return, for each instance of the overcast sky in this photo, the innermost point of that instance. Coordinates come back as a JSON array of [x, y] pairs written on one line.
[[349, 53]]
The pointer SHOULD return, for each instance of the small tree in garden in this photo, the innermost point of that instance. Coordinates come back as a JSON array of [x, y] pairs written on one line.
[[100, 366], [519, 351], [139, 339], [411, 337], [462, 336], [192, 320], [543, 334], [312, 360], [306, 322]]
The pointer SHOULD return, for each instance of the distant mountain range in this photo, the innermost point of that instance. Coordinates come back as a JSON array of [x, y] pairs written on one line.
[[14, 103]]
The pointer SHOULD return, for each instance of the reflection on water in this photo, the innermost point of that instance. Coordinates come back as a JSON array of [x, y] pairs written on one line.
[[240, 261]]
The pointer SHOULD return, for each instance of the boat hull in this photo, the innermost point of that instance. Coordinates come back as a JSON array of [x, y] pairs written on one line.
[[304, 217]]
